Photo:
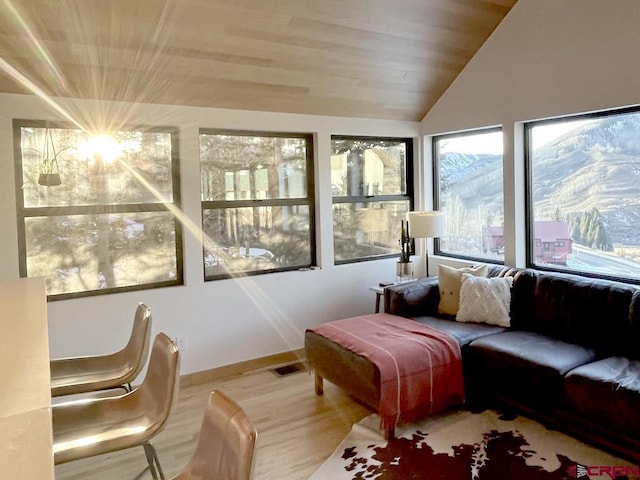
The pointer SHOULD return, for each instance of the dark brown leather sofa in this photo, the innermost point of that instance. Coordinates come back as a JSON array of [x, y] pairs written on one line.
[[570, 357]]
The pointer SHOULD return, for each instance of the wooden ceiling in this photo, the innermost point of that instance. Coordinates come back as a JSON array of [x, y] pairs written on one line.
[[387, 59]]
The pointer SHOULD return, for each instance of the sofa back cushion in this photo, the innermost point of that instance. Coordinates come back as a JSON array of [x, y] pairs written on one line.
[[595, 313]]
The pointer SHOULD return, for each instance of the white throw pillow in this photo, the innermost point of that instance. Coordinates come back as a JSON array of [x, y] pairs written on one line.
[[485, 300]]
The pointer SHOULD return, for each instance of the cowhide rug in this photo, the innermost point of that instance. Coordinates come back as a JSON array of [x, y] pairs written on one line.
[[464, 445]]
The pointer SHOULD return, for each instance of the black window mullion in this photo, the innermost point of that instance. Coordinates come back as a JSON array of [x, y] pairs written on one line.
[[274, 202], [24, 213], [307, 201], [372, 199], [93, 209], [435, 164], [437, 191], [397, 168], [607, 132]]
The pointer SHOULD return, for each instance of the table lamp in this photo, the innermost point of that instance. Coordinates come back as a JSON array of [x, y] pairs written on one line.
[[429, 224]]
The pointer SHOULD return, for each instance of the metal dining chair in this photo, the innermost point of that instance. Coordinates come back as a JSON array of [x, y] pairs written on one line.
[[102, 372], [225, 445], [93, 426]]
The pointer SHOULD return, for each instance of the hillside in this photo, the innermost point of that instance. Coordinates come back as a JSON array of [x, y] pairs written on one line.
[[603, 157]]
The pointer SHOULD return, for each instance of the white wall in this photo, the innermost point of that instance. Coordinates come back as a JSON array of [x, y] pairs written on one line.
[[547, 58], [225, 321]]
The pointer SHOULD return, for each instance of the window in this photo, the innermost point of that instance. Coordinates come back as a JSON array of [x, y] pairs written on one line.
[[94, 211], [468, 189], [257, 202], [372, 188], [583, 193]]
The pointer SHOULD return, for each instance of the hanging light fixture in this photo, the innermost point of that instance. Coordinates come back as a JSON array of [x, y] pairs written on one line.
[[49, 171]]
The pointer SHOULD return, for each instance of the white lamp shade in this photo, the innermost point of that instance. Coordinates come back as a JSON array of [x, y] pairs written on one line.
[[372, 219], [426, 224]]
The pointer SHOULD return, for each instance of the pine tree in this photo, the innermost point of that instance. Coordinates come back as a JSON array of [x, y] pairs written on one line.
[[557, 215], [588, 228]]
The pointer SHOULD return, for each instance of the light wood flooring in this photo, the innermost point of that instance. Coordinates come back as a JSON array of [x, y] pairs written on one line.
[[297, 430]]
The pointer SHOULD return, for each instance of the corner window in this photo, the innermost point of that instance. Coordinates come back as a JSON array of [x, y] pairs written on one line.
[[372, 189], [257, 202], [468, 189], [94, 210], [583, 193]]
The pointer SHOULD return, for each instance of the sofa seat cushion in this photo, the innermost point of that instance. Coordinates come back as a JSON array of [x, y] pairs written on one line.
[[607, 392], [464, 333], [526, 366]]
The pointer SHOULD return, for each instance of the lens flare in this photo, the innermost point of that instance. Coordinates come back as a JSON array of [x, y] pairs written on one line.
[[103, 145], [111, 101], [36, 45]]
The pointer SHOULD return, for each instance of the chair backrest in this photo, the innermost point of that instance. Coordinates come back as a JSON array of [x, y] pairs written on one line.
[[94, 426], [226, 443], [101, 372], [158, 392], [135, 353]]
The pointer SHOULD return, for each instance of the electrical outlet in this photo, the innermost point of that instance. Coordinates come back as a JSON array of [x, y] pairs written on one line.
[[180, 342]]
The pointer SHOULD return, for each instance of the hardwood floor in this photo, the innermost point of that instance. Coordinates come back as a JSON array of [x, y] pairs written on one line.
[[297, 430]]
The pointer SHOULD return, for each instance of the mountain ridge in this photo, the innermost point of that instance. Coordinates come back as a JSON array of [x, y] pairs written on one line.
[[603, 157]]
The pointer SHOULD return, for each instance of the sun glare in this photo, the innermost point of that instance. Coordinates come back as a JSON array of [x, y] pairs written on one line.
[[103, 145]]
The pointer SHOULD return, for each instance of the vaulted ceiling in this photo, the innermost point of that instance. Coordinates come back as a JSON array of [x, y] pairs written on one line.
[[387, 59]]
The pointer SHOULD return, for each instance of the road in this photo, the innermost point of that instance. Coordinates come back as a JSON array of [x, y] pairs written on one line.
[[595, 261]]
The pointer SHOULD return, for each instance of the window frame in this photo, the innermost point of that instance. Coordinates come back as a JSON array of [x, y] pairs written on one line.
[[22, 212], [528, 187], [437, 250], [309, 200], [373, 199]]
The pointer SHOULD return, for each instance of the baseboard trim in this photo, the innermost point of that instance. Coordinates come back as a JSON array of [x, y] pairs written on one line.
[[270, 361]]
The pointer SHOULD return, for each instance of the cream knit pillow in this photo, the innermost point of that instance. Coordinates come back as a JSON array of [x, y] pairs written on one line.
[[485, 300], [449, 280]]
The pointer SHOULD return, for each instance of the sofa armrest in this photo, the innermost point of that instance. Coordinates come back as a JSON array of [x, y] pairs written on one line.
[[413, 299]]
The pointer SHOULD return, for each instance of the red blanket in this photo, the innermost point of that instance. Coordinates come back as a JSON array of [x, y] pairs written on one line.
[[420, 367]]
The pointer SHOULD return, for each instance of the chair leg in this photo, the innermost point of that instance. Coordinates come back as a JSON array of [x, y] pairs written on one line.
[[141, 474], [154, 463]]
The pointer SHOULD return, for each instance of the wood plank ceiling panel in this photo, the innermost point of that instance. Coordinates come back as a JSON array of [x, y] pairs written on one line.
[[358, 58]]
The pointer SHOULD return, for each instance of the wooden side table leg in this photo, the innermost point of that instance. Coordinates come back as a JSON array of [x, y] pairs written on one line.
[[318, 384]]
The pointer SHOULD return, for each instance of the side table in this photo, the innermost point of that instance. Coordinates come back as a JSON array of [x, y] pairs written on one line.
[[379, 291]]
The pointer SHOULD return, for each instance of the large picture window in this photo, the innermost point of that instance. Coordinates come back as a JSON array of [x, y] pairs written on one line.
[[372, 190], [257, 202], [468, 189], [583, 193], [94, 211]]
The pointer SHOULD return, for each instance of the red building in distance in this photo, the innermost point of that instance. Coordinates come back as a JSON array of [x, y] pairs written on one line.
[[552, 242]]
